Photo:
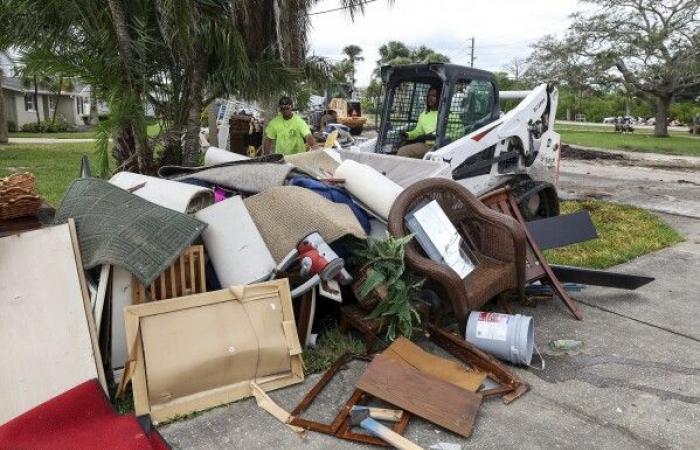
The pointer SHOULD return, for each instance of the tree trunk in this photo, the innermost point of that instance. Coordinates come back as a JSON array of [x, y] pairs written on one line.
[[663, 106], [36, 102], [191, 147], [3, 116], [55, 103], [144, 154], [213, 127], [94, 115]]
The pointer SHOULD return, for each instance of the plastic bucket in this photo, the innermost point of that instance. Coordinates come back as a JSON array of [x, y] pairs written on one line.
[[508, 337]]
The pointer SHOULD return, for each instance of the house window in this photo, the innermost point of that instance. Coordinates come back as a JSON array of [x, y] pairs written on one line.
[[81, 105], [52, 103], [29, 102]]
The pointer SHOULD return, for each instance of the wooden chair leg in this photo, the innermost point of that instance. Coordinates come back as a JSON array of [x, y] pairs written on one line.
[[502, 302]]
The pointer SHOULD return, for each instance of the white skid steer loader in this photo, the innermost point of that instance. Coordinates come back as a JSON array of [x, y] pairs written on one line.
[[481, 147]]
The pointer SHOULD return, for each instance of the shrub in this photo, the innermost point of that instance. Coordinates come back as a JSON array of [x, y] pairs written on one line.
[[46, 126], [11, 126]]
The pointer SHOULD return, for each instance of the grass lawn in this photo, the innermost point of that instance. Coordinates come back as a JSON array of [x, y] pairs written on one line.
[[625, 232], [54, 165], [62, 135], [679, 143], [152, 130]]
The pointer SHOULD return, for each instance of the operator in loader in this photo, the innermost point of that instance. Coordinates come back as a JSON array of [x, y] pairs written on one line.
[[424, 132], [287, 133]]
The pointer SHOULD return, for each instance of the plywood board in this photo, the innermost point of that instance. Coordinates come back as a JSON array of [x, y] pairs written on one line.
[[200, 351], [47, 332], [434, 400], [404, 351]]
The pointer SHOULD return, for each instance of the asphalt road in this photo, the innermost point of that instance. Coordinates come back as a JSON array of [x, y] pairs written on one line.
[[634, 384]]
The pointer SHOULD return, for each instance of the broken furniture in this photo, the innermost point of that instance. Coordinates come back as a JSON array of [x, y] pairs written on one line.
[[497, 241], [404, 351], [49, 341], [511, 387], [562, 230], [431, 398], [79, 418], [184, 277], [537, 268], [236, 248], [340, 427], [599, 277], [204, 350]]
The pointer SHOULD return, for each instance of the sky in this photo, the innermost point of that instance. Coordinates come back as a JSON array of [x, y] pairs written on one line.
[[503, 29]]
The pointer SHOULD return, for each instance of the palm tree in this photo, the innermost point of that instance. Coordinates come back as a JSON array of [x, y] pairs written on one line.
[[353, 54], [176, 54]]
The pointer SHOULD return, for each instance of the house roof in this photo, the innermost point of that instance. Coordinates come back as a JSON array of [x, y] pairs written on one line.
[[15, 84]]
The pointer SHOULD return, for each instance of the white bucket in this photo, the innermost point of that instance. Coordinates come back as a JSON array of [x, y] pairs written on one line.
[[508, 337]]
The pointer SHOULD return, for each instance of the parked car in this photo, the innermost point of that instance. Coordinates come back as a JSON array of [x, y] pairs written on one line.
[[609, 119]]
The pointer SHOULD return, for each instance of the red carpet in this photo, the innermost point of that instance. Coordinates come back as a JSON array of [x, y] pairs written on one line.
[[80, 418]]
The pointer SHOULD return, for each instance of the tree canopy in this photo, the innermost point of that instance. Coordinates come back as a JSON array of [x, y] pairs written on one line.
[[651, 47]]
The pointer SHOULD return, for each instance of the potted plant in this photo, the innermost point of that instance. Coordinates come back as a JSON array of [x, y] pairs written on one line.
[[385, 286]]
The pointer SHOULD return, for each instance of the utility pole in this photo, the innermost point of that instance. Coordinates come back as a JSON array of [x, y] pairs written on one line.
[[472, 52]]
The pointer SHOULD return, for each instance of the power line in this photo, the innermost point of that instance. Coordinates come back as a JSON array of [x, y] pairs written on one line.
[[360, 3]]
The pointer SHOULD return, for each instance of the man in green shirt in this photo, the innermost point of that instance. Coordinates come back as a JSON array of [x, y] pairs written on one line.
[[426, 126], [287, 133]]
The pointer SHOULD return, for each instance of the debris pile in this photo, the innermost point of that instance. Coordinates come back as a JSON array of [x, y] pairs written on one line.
[[200, 287]]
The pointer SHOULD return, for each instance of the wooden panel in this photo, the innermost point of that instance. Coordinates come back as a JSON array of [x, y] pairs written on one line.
[[434, 400], [46, 327], [404, 351], [196, 352]]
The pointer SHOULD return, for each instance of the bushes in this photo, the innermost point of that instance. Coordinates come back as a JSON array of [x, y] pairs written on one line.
[[11, 126], [45, 127]]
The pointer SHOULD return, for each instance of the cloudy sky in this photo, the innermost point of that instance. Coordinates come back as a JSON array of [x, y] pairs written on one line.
[[503, 29]]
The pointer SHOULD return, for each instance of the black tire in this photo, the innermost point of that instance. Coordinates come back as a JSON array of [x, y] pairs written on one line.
[[356, 131]]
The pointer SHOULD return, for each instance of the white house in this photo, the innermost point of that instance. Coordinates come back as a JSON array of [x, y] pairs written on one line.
[[21, 104]]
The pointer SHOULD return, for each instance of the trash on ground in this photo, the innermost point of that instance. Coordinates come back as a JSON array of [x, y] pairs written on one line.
[[565, 345]]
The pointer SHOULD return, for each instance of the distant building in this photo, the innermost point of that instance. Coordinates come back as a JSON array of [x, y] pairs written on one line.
[[21, 104]]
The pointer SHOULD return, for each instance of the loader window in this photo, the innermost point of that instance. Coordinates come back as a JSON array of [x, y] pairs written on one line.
[[470, 107], [408, 102]]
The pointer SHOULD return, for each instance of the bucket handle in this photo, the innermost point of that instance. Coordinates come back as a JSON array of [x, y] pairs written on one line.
[[522, 360]]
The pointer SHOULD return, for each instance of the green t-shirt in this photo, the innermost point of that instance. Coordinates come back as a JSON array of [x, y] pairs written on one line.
[[288, 134], [427, 124]]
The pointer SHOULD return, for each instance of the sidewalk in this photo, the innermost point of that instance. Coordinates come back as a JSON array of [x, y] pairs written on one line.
[[47, 140]]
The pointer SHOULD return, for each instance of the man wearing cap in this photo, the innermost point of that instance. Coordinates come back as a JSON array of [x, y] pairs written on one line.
[[287, 133]]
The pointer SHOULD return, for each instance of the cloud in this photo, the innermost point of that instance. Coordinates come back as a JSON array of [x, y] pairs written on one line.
[[503, 29]]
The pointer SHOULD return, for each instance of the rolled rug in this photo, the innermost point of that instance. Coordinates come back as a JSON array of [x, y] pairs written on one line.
[[372, 188]]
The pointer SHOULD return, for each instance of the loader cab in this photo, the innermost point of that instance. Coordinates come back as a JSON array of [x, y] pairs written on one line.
[[468, 101]]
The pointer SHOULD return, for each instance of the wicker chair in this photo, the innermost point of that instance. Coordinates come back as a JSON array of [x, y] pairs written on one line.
[[498, 242]]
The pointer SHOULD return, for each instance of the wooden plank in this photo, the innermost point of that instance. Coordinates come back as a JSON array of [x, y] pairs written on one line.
[[163, 294], [202, 270], [191, 264], [47, 332], [182, 277], [432, 399], [173, 284], [404, 351]]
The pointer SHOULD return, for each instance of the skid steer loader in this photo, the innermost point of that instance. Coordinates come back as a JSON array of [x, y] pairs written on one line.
[[483, 147]]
